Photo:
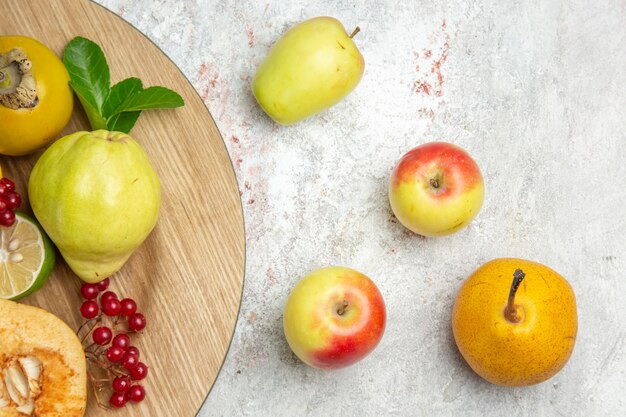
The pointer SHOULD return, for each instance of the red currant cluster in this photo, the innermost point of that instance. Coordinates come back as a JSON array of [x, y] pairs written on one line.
[[9, 202], [110, 349]]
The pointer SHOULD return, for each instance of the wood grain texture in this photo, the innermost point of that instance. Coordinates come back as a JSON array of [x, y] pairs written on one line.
[[187, 277]]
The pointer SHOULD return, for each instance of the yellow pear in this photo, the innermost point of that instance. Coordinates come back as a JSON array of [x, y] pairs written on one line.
[[518, 332], [311, 68]]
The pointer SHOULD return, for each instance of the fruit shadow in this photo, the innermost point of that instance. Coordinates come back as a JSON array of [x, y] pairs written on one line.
[[462, 377], [462, 369], [144, 263], [284, 353], [255, 111], [393, 224]]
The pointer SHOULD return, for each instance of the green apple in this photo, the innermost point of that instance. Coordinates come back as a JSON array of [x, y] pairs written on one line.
[[312, 67], [97, 197]]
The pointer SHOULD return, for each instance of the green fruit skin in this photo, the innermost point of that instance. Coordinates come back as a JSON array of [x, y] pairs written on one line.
[[48, 265], [97, 197], [312, 67]]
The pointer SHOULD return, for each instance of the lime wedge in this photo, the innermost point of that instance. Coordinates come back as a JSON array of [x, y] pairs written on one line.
[[26, 258]]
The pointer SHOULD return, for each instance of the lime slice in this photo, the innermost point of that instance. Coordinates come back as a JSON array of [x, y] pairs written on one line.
[[26, 258]]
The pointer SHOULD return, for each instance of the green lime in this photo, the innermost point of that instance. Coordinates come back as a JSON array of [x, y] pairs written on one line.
[[26, 258]]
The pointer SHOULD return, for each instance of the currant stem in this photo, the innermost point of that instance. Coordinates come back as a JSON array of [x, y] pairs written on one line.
[[355, 31], [89, 347], [102, 380], [104, 366], [97, 318], [95, 385], [119, 328], [510, 312]]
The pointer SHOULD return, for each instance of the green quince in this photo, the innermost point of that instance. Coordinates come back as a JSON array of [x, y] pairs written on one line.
[[97, 197]]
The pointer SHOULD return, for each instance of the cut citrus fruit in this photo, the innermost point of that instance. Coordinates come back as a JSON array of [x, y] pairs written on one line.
[[26, 258]]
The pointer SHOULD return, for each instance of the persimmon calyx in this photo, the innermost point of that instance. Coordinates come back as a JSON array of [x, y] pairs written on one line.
[[18, 89]]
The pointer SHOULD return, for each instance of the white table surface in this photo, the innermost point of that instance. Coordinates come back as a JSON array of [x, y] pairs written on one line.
[[535, 91]]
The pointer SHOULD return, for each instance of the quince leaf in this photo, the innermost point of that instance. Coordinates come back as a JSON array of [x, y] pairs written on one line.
[[123, 122], [119, 93], [89, 74], [151, 98], [112, 108], [95, 119]]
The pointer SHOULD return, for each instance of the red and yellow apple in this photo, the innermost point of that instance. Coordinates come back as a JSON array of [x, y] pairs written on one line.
[[436, 189], [334, 317]]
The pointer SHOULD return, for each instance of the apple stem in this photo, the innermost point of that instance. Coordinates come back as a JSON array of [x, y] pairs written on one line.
[[510, 312], [434, 182], [355, 31], [344, 306]]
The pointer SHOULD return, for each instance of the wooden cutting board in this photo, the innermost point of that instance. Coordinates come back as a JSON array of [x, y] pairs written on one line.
[[187, 277]]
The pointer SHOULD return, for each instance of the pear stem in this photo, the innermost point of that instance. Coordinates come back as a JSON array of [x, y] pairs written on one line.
[[355, 31], [510, 312], [342, 309]]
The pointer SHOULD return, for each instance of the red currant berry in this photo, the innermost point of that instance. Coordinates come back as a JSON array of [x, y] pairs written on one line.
[[102, 336], [103, 285], [7, 218], [139, 372], [137, 322], [13, 200], [3, 206], [107, 296], [121, 384], [89, 291], [114, 354], [89, 309], [129, 306], [122, 341], [129, 361], [111, 307], [118, 400], [135, 394], [3, 189], [133, 351], [8, 184]]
